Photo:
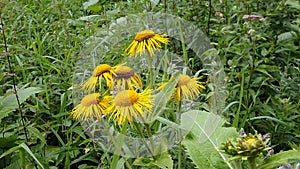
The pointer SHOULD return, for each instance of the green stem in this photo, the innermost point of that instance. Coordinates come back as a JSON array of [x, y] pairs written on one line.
[[138, 129], [115, 143], [149, 135], [237, 115], [252, 163], [116, 155], [179, 144], [237, 164], [185, 56], [149, 62]]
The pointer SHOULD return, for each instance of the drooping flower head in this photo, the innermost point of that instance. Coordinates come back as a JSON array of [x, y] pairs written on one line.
[[146, 40], [124, 77], [187, 87], [101, 71], [91, 107], [130, 105]]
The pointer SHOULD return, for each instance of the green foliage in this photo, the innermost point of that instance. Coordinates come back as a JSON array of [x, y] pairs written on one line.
[[9, 103], [205, 138], [163, 161], [280, 158], [260, 57]]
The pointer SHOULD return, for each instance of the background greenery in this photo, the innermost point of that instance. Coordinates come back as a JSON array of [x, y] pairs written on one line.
[[44, 39]]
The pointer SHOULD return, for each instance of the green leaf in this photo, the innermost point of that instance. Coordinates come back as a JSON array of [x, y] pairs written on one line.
[[163, 161], [263, 71], [8, 142], [280, 158], [162, 98], [8, 102], [205, 138], [286, 36], [35, 132], [11, 150], [26, 148], [86, 5], [293, 3], [95, 8]]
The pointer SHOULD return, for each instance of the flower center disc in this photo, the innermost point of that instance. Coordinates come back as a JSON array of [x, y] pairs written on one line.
[[103, 68], [91, 99], [183, 80], [144, 35], [126, 98], [123, 72], [251, 141]]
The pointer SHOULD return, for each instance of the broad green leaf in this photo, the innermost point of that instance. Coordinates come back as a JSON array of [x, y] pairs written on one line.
[[279, 159], [8, 103], [163, 161], [293, 3], [205, 138], [286, 36]]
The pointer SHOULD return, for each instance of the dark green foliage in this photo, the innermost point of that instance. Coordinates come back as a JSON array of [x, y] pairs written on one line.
[[260, 57]]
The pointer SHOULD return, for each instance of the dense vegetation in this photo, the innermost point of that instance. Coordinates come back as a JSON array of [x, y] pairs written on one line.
[[258, 43]]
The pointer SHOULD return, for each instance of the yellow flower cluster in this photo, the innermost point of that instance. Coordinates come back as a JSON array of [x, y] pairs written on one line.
[[127, 103]]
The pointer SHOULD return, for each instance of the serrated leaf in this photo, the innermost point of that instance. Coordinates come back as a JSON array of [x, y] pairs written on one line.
[[205, 138], [8, 103], [279, 159]]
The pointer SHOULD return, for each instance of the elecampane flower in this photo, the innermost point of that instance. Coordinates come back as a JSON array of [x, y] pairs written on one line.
[[130, 105], [101, 71], [146, 40], [124, 77], [186, 87], [91, 107]]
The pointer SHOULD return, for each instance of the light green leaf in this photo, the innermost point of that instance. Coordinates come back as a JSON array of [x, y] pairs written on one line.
[[8, 102], [293, 3], [280, 158], [163, 161], [205, 138], [95, 8], [162, 98], [89, 3]]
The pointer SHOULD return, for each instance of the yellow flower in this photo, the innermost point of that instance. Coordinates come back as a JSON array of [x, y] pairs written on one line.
[[101, 71], [91, 107], [186, 87], [123, 78], [146, 40], [130, 105]]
